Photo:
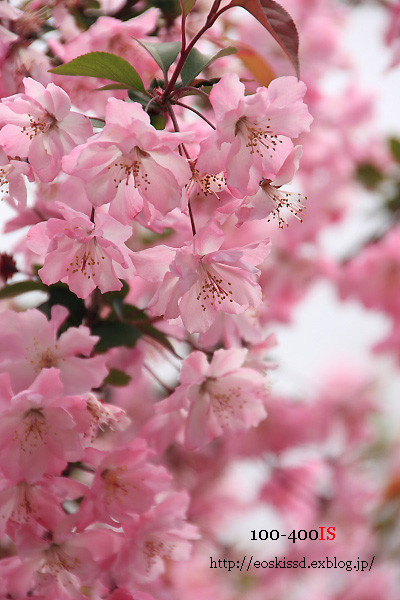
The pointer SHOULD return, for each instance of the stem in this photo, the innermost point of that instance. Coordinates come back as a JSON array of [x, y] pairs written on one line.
[[149, 103], [183, 25], [176, 127], [173, 117], [191, 218], [194, 89], [199, 114], [211, 18]]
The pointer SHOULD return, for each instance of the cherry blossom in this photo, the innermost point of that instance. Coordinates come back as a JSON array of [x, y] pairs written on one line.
[[131, 165], [201, 278], [31, 343], [155, 538], [12, 178], [39, 427], [25, 503], [83, 253], [64, 563], [220, 397], [258, 128], [126, 484], [40, 125], [270, 200]]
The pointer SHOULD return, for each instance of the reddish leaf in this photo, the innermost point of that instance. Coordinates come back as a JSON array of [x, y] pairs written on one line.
[[256, 64], [278, 22]]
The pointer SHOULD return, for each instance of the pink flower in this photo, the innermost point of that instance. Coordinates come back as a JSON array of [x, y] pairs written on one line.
[[201, 279], [210, 198], [104, 416], [40, 502], [12, 178], [30, 343], [392, 34], [39, 427], [258, 128], [296, 490], [380, 262], [131, 164], [222, 397], [83, 253], [64, 563], [125, 484], [153, 539], [123, 594], [40, 125], [271, 200]]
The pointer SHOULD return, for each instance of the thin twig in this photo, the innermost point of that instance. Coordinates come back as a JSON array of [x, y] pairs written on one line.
[[183, 25], [194, 89], [176, 127], [149, 103], [211, 18], [164, 385], [199, 114]]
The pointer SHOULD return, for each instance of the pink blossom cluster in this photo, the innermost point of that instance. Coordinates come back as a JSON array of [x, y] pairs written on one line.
[[154, 223]]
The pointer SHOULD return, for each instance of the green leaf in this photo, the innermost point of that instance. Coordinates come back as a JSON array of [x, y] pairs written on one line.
[[97, 122], [196, 62], [138, 97], [157, 335], [114, 333], [369, 175], [188, 5], [133, 313], [104, 65], [170, 9], [393, 203], [21, 287], [117, 378], [141, 320], [59, 293], [109, 297], [164, 53], [394, 145], [158, 121], [113, 86], [278, 22], [206, 83]]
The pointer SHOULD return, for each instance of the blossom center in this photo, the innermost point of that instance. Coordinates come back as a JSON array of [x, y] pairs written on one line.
[[132, 165], [116, 487], [4, 183], [57, 560], [154, 548], [208, 183], [43, 358], [283, 201], [259, 137], [34, 430], [86, 260], [23, 508], [212, 288], [39, 125]]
